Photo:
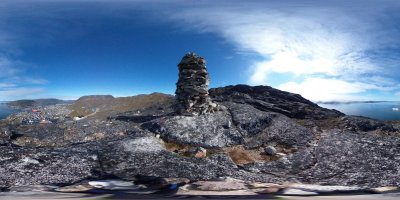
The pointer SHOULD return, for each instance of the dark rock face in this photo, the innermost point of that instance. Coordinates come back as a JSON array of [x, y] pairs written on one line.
[[266, 98], [249, 120], [192, 86], [260, 127]]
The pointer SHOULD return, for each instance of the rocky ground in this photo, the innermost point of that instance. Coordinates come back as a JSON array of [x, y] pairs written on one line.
[[265, 136]]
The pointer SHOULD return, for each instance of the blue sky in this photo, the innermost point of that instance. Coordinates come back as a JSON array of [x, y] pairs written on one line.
[[323, 50]]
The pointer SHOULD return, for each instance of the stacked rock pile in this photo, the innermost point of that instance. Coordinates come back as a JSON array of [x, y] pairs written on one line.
[[192, 86]]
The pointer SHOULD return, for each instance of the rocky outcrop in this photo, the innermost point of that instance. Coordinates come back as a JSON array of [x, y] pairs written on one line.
[[310, 144], [356, 123], [192, 86], [242, 125]]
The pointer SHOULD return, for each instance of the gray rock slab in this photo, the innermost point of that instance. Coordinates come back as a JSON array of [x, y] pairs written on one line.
[[46, 166], [341, 158], [209, 130]]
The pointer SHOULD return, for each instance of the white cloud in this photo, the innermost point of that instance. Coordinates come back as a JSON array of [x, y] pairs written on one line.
[[7, 85], [14, 84], [28, 80], [7, 67], [320, 89], [330, 42]]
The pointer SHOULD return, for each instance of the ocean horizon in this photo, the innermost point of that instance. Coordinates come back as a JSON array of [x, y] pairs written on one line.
[[5, 110], [382, 110]]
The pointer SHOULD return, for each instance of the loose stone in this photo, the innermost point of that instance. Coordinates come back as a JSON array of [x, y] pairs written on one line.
[[270, 150]]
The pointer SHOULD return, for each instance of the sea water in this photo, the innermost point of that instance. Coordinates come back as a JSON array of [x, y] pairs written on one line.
[[377, 110], [5, 111]]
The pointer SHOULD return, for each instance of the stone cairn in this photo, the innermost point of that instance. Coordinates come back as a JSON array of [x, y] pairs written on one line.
[[192, 87]]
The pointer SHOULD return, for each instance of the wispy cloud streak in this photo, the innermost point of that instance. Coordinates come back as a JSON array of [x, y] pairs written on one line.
[[334, 51], [15, 81]]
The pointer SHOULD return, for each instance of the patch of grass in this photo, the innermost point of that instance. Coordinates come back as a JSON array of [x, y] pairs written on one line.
[[170, 146], [301, 122], [185, 150], [240, 156]]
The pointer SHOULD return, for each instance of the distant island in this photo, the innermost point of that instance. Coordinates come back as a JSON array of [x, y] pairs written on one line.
[[349, 102], [29, 103]]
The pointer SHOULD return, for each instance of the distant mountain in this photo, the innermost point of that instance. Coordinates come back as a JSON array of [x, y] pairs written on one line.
[[108, 104], [28, 103]]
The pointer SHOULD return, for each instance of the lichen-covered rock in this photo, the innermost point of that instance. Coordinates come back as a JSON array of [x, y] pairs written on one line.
[[352, 159], [5, 134], [260, 127], [249, 120], [46, 166], [357, 123], [239, 124], [342, 158], [208, 130], [128, 144], [146, 156], [65, 134]]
